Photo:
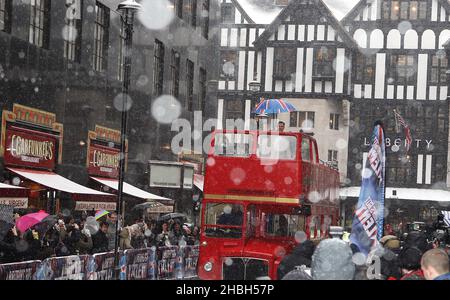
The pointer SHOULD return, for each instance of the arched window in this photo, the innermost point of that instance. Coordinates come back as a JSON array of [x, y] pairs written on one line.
[[360, 37], [443, 38], [377, 39], [411, 40], [428, 39], [393, 39]]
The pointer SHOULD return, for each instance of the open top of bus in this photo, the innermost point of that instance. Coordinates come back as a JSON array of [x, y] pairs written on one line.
[[268, 167]]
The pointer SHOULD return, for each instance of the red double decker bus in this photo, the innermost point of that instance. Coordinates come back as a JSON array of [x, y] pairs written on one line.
[[264, 192]]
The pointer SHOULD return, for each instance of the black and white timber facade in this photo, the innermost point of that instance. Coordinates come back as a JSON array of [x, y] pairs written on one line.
[[342, 77]]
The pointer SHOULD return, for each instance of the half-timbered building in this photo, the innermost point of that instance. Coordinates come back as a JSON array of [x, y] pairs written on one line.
[[402, 67], [342, 76]]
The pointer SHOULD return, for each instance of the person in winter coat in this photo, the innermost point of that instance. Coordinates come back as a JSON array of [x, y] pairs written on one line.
[[192, 236], [417, 240], [176, 234], [409, 260], [125, 238], [72, 238], [435, 265], [100, 239], [137, 236], [84, 244], [8, 246], [332, 260], [111, 219], [301, 255], [163, 239], [390, 268], [150, 234]]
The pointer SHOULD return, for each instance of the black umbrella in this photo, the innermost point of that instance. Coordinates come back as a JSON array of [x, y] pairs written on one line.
[[45, 225], [146, 205], [171, 216]]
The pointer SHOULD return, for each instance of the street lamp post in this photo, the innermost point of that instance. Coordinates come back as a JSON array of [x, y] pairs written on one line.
[[255, 89], [127, 9]]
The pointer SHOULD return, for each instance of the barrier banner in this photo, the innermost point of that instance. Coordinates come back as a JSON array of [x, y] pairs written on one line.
[[19, 271], [168, 259], [63, 268], [101, 266], [138, 264], [190, 259]]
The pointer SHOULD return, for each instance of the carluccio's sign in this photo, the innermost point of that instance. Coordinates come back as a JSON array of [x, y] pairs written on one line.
[[31, 138], [104, 152]]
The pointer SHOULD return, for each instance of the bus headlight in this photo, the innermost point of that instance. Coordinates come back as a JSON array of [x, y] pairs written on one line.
[[208, 267]]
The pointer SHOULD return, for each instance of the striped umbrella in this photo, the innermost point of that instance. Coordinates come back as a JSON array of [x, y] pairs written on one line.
[[274, 106], [101, 213]]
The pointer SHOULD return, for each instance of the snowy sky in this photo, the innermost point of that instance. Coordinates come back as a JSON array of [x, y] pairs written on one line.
[[262, 15]]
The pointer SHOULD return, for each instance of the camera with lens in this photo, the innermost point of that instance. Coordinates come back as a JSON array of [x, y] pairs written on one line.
[[440, 233]]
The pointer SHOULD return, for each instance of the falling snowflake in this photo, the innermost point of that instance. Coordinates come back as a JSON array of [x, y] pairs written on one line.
[[156, 14], [166, 109]]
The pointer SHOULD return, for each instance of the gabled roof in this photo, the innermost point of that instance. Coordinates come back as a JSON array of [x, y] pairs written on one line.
[[242, 11], [354, 12], [324, 10]]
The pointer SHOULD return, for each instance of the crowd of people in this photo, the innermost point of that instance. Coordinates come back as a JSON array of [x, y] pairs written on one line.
[[414, 258], [87, 235]]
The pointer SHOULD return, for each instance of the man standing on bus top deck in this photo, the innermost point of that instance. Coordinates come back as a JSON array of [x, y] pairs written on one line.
[[281, 126], [283, 146]]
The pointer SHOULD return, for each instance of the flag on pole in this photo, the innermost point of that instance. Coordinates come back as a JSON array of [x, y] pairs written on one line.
[[367, 227], [400, 121]]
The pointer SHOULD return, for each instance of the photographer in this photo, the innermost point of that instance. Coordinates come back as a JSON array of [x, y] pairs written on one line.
[[440, 234]]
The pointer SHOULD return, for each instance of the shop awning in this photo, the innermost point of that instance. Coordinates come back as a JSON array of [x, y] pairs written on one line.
[[13, 195], [402, 193], [57, 182], [198, 181], [5, 187], [129, 189]]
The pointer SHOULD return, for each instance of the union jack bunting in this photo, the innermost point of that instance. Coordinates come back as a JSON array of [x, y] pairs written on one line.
[[400, 121]]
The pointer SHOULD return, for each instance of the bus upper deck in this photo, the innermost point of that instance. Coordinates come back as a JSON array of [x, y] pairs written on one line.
[[268, 167]]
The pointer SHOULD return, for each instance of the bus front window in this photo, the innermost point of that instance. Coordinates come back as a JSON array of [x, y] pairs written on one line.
[[233, 144], [223, 220], [276, 147]]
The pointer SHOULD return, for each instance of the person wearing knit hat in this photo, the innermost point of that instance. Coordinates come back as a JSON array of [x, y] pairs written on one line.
[[299, 273], [390, 242], [332, 260], [390, 269], [301, 255]]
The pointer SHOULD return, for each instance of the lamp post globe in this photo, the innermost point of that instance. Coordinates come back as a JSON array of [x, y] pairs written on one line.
[[128, 5]]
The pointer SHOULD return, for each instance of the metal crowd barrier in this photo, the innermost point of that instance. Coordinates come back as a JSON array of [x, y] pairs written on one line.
[[163, 263]]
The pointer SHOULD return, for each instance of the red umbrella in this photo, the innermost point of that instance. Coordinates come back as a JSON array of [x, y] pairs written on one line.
[[26, 222]]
